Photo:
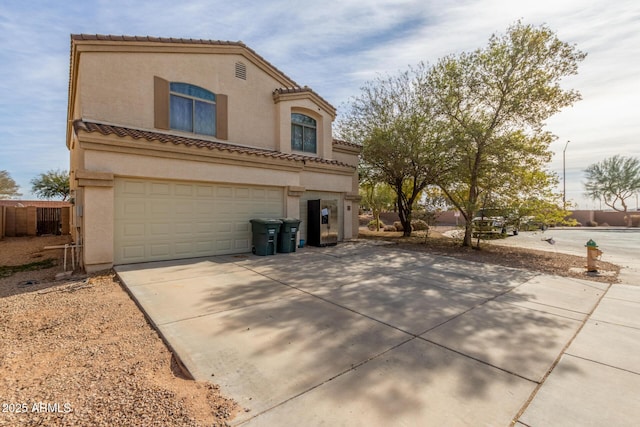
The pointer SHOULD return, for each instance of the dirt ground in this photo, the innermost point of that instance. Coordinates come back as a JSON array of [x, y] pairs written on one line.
[[79, 352], [544, 262]]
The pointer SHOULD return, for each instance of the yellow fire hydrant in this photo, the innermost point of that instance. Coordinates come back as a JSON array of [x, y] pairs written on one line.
[[593, 254]]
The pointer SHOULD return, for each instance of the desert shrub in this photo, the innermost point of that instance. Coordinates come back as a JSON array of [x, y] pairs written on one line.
[[604, 224], [364, 220], [592, 224], [398, 226], [389, 228], [372, 225], [419, 225], [429, 217]]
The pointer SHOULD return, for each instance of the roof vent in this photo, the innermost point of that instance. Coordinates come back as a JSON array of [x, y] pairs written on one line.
[[241, 71]]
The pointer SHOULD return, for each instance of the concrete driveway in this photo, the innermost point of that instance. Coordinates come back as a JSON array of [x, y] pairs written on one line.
[[366, 334]]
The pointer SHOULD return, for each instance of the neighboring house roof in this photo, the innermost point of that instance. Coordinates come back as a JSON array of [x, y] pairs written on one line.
[[147, 135], [36, 203]]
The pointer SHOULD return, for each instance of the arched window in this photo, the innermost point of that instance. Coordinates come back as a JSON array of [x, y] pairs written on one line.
[[192, 109], [303, 133]]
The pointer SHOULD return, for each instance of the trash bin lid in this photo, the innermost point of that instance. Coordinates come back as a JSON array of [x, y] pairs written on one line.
[[266, 221], [290, 221]]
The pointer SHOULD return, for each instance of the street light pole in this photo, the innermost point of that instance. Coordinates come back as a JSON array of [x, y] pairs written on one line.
[[564, 177]]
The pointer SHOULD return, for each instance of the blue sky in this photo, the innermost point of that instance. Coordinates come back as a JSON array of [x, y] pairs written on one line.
[[331, 46]]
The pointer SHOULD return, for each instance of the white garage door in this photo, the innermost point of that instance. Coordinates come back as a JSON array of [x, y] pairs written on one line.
[[162, 220]]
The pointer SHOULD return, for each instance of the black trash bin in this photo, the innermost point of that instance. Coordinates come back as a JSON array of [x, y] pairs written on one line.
[[265, 235], [287, 236]]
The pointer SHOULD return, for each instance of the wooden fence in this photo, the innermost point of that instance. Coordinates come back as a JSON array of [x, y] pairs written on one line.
[[33, 221]]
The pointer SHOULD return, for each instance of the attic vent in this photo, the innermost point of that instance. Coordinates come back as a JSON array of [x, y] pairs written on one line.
[[241, 71]]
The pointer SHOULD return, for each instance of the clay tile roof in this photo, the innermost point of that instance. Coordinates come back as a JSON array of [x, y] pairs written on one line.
[[298, 89], [117, 38], [105, 129], [293, 90], [346, 143]]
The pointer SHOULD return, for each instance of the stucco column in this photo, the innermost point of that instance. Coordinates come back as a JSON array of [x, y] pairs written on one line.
[[97, 212], [351, 221], [292, 208]]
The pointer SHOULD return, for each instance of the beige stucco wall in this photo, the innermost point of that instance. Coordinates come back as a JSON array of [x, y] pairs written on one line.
[[119, 88], [187, 170]]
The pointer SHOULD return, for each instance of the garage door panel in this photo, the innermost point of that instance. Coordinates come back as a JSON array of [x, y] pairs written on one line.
[[160, 250], [184, 208], [206, 191], [274, 195], [134, 188], [224, 193], [241, 227], [156, 208], [160, 189], [184, 228], [161, 230], [133, 207], [133, 252], [241, 245], [183, 190], [133, 230], [257, 193], [243, 193], [183, 248], [205, 227], [223, 208], [158, 220], [204, 246], [224, 228], [205, 208], [224, 245]]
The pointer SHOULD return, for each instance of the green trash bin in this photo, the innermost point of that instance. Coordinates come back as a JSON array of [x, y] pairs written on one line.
[[287, 236], [265, 235]]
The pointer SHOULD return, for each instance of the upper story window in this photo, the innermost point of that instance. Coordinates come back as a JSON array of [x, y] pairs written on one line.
[[303, 133], [192, 109]]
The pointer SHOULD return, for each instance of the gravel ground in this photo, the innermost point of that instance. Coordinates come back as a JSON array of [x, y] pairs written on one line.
[[79, 352]]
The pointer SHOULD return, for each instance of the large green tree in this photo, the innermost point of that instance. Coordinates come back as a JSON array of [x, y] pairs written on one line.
[[613, 181], [531, 197], [8, 187], [401, 139], [51, 185], [494, 102]]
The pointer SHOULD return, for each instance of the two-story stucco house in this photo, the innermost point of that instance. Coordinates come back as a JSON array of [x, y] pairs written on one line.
[[176, 144]]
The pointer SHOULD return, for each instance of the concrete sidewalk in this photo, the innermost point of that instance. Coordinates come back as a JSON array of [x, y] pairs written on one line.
[[361, 334], [597, 381]]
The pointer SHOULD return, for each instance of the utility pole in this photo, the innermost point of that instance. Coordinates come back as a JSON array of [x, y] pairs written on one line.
[[564, 177]]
